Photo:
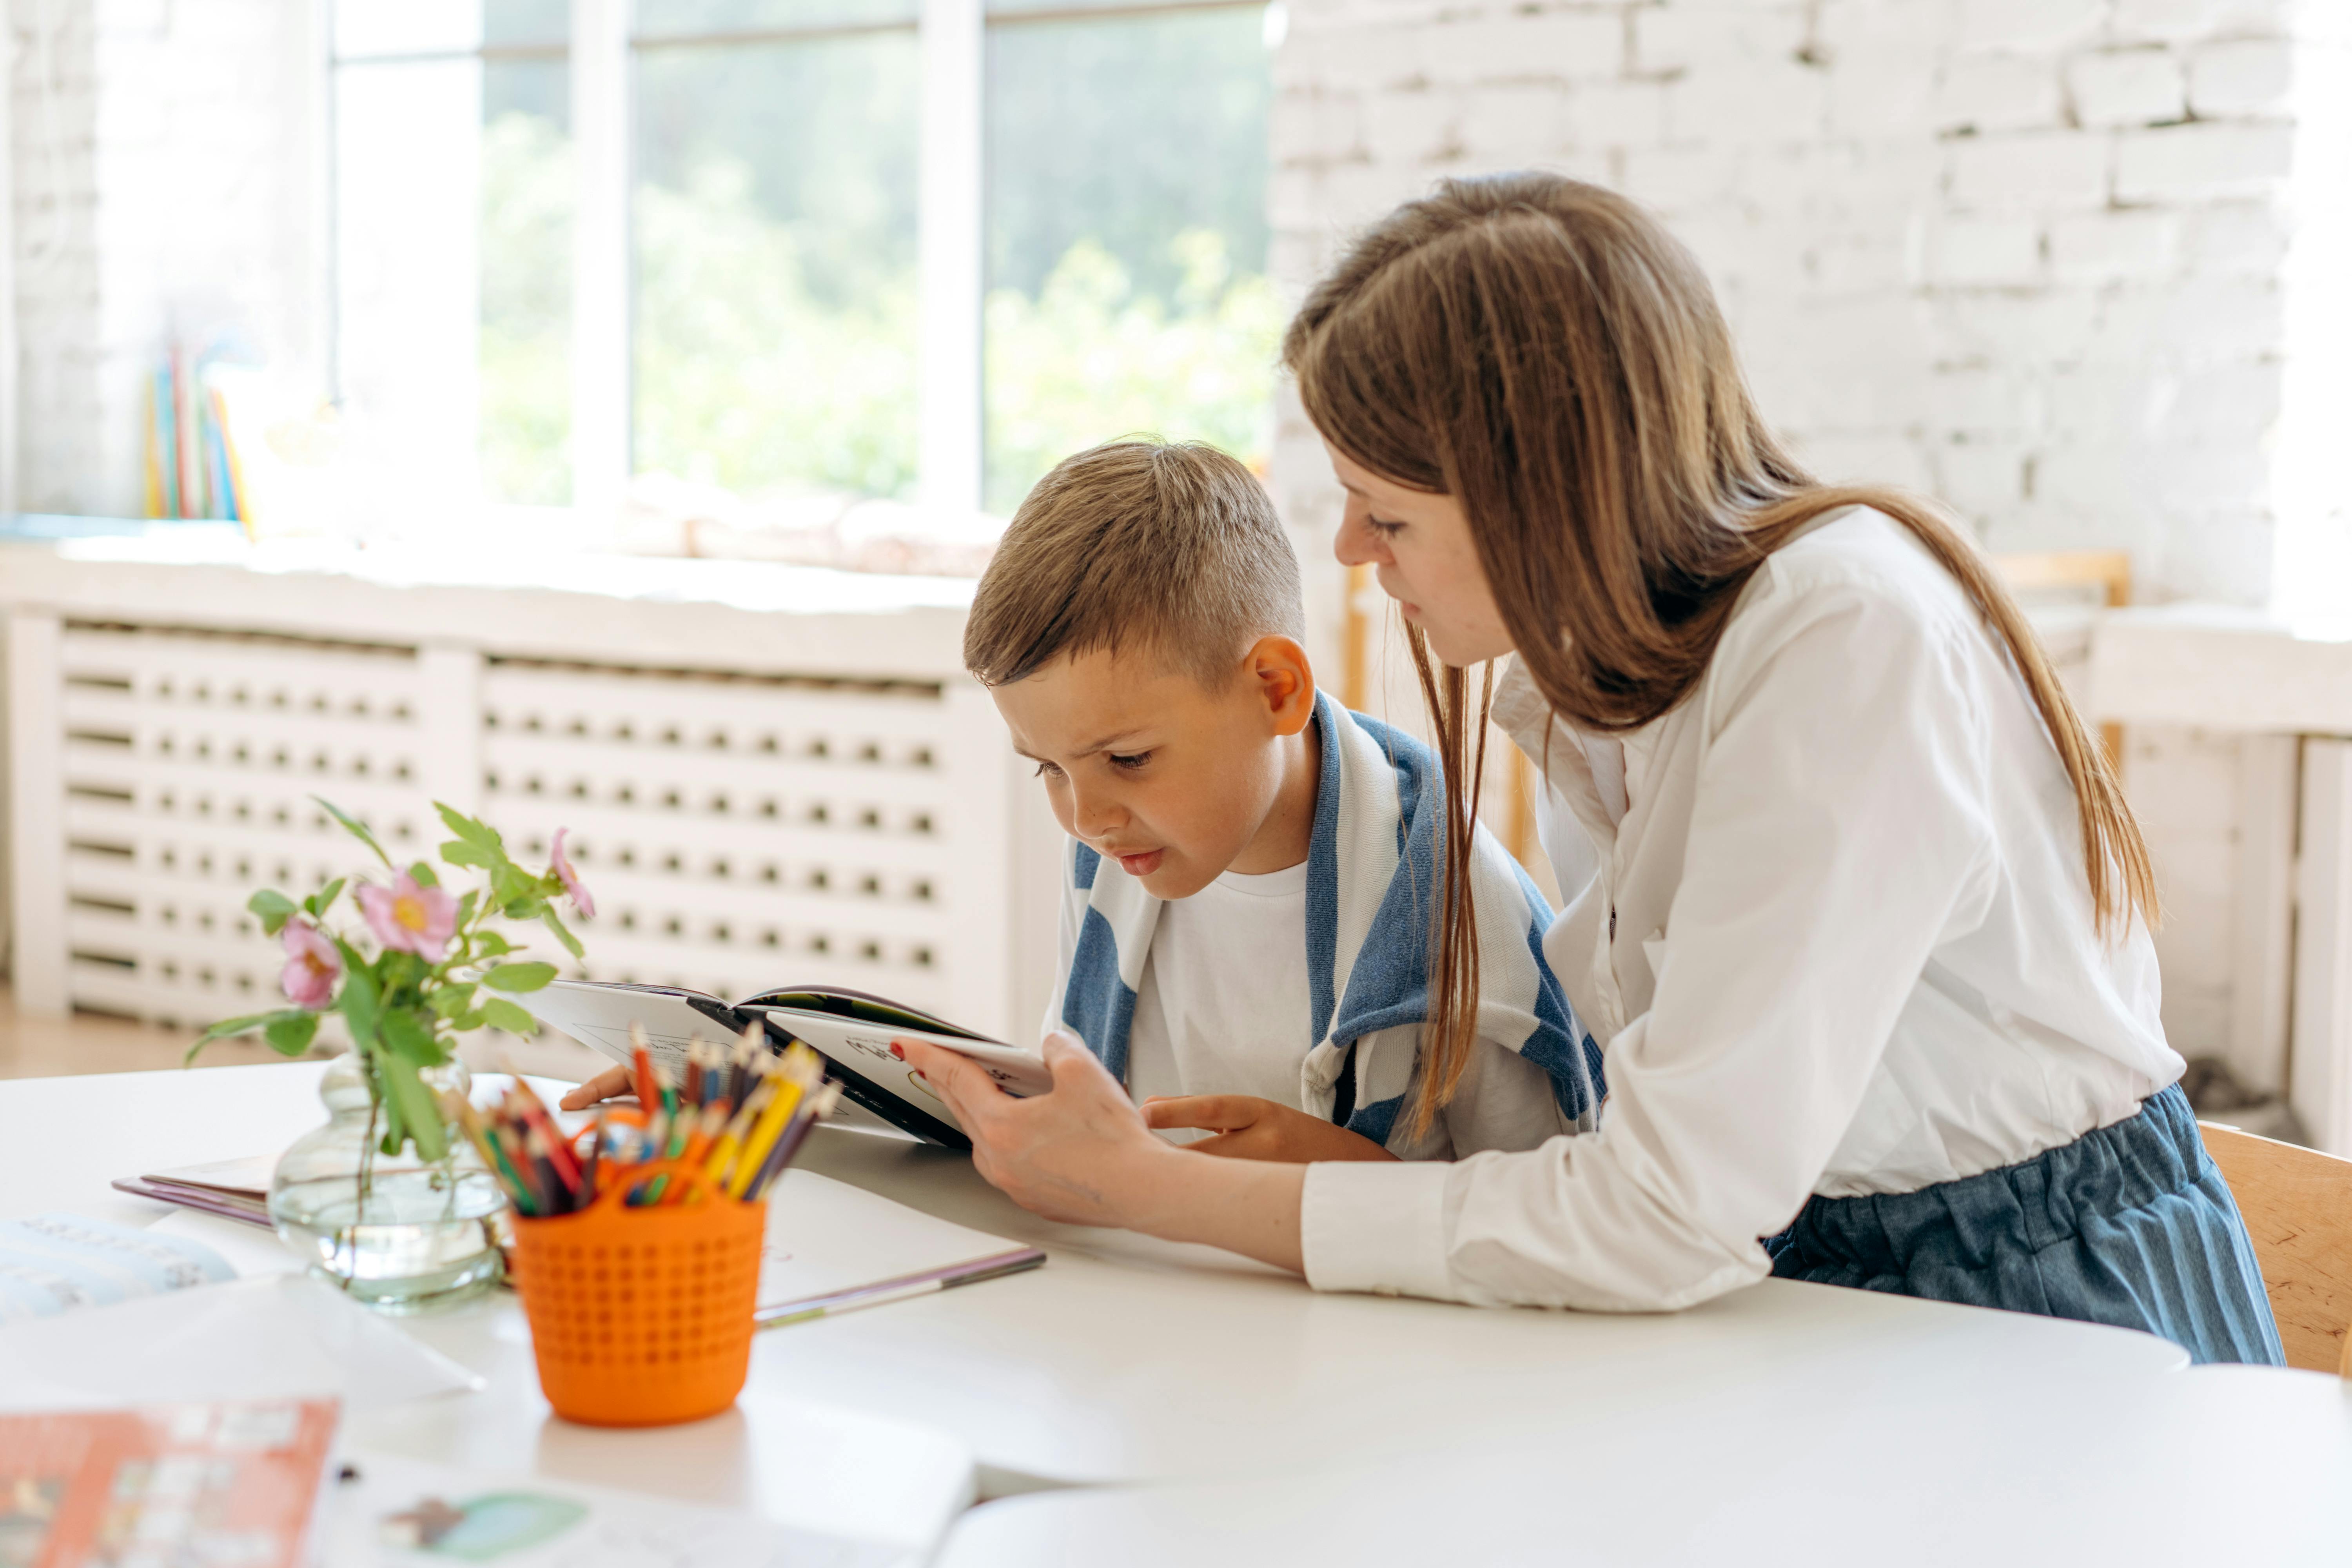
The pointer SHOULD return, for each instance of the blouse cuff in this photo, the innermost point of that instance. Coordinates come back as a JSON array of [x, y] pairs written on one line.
[[1376, 1225]]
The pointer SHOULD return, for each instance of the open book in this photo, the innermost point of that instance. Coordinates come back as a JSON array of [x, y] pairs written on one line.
[[850, 1029]]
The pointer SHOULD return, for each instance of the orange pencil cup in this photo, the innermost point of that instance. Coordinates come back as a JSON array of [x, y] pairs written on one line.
[[641, 1317]]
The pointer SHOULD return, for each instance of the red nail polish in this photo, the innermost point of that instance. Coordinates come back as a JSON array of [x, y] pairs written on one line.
[[897, 1052]]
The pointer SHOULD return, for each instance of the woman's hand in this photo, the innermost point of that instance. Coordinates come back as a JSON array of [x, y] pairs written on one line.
[[610, 1084], [1082, 1155], [1248, 1128], [1079, 1154]]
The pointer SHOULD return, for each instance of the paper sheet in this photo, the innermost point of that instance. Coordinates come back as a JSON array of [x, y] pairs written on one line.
[[385, 1516], [272, 1338], [826, 1236], [253, 1252]]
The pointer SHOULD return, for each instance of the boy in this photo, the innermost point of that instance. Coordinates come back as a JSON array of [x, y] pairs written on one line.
[[1245, 936]]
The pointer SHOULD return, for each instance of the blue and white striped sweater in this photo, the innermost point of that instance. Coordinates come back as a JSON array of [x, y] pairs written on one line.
[[1371, 861]]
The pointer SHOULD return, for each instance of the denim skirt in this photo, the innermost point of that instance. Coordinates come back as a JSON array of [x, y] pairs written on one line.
[[2130, 1224]]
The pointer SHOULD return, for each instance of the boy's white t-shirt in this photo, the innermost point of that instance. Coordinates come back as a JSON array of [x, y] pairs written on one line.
[[1223, 1007]]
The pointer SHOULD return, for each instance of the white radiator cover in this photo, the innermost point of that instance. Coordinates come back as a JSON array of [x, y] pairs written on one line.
[[740, 828]]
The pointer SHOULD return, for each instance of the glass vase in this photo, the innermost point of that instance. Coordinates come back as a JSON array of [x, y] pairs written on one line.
[[398, 1231]]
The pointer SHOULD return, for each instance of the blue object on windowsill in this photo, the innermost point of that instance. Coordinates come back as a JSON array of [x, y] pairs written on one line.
[[58, 525]]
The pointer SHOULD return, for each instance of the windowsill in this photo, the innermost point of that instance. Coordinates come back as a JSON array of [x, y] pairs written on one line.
[[516, 561]]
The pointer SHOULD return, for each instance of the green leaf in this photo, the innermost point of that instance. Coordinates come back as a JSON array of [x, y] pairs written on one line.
[[519, 977], [455, 854], [466, 907], [562, 932], [289, 1034], [422, 875], [244, 1026], [498, 1010], [490, 945], [410, 1039], [406, 1093], [448, 1001], [229, 1026], [524, 909], [274, 908], [360, 1002], [466, 1023], [479, 834], [395, 1126], [317, 902], [353, 828], [395, 970]]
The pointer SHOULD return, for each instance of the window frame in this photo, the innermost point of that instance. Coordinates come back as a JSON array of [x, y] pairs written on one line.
[[951, 217]]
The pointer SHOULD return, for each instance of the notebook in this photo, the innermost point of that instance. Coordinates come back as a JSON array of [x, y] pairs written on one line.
[[830, 1246], [229, 1483], [53, 1263], [851, 1029], [233, 1189]]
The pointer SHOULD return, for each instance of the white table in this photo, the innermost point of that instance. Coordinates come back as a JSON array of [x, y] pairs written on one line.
[[811, 1464], [2219, 1464], [1123, 1359]]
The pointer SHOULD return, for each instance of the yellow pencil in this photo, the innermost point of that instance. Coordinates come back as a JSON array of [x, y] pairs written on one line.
[[730, 1141], [771, 1120]]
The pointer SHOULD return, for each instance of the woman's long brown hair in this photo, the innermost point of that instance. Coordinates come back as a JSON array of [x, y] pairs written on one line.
[[1544, 352]]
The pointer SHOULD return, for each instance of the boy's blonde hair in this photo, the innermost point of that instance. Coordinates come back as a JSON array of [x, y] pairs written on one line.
[[1168, 546]]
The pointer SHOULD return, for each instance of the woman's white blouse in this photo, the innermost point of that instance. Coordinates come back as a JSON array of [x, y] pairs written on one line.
[[1841, 942]]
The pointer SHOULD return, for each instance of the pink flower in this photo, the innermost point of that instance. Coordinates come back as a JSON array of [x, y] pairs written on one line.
[[409, 919], [312, 965], [570, 878]]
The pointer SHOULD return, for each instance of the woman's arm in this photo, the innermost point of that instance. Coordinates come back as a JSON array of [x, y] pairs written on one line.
[[1082, 1155], [1838, 833]]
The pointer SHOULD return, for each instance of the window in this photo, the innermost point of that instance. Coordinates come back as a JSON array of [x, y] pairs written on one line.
[[452, 237], [1125, 232], [796, 248]]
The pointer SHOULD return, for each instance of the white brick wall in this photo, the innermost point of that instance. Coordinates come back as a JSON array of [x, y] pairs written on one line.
[[2024, 254], [161, 175]]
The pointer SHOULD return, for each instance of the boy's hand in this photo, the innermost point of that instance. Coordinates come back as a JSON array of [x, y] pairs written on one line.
[[609, 1084], [1248, 1128]]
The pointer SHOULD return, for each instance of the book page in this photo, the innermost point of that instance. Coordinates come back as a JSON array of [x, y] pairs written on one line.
[[599, 1016]]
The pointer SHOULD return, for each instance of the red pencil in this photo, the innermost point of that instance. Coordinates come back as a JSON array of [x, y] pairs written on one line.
[[534, 1115], [648, 1090]]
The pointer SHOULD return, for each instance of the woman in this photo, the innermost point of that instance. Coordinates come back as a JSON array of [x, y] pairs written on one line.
[[1855, 905]]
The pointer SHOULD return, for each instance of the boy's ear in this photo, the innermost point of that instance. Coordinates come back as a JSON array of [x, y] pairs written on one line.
[[1279, 674]]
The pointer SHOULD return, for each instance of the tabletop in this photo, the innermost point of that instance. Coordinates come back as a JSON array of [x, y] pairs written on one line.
[[1125, 1358], [2217, 1464]]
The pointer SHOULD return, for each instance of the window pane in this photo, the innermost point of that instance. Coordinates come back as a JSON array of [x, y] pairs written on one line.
[[453, 199], [526, 349], [775, 264], [1126, 238], [690, 18], [366, 27]]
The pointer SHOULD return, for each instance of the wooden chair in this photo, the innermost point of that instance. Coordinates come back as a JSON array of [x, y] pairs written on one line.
[[2297, 1205], [2106, 571]]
